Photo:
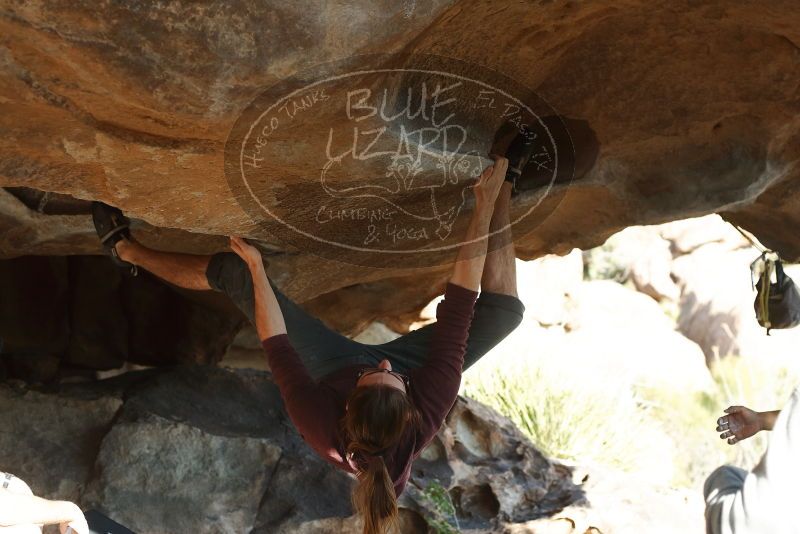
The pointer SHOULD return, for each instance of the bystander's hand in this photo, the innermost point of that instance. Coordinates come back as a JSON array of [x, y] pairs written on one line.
[[739, 423]]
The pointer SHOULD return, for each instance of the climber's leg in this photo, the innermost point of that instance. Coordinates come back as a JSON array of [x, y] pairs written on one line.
[[320, 348], [183, 270], [498, 310], [500, 271]]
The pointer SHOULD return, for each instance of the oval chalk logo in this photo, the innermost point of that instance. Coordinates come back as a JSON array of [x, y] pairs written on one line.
[[371, 160]]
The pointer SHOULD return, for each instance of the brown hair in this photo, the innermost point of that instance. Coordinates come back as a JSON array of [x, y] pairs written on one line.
[[375, 419]]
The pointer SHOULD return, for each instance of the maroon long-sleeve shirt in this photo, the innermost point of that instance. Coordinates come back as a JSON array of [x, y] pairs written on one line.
[[317, 407]]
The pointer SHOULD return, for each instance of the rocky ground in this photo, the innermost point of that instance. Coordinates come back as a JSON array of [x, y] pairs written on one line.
[[202, 449]]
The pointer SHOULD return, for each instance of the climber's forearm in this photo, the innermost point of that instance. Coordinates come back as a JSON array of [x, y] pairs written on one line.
[[268, 315], [471, 257], [29, 510]]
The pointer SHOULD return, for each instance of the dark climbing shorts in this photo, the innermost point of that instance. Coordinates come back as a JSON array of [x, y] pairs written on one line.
[[324, 351]]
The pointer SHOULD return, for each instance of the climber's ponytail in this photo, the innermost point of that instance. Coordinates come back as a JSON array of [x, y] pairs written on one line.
[[374, 498], [375, 420]]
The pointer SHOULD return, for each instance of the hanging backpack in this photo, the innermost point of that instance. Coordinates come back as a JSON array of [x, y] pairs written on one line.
[[777, 304]]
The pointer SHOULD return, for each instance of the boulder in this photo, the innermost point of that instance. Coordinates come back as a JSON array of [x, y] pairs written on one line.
[[136, 109], [202, 449], [486, 465], [51, 442], [159, 476]]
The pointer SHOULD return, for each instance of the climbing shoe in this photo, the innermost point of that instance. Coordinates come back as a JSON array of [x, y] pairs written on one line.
[[112, 226], [518, 154]]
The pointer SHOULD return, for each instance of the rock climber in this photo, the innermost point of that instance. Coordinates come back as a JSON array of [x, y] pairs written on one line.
[[367, 409]]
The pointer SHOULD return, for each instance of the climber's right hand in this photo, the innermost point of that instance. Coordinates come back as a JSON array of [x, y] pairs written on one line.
[[488, 185]]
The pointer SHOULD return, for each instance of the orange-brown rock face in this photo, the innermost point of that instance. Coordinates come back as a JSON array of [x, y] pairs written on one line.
[[692, 108]]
